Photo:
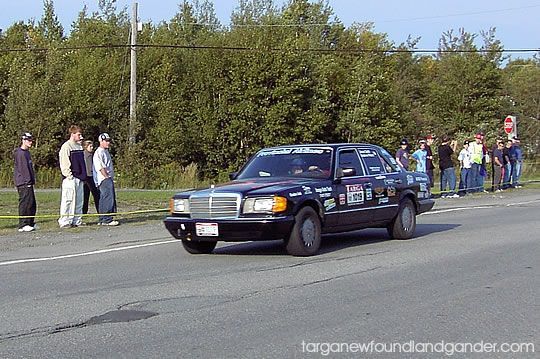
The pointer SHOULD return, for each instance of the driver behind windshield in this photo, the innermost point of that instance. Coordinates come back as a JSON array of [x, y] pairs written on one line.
[[298, 166]]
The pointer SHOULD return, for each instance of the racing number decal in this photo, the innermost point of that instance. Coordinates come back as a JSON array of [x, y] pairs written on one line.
[[355, 194]]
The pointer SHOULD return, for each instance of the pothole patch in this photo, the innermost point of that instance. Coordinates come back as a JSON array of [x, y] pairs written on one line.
[[120, 316]]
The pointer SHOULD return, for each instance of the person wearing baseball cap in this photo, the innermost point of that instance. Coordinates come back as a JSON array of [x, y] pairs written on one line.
[[104, 178], [25, 179], [402, 154]]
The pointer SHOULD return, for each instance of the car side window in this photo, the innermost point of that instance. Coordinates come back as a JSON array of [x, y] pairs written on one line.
[[374, 164], [349, 159], [389, 162]]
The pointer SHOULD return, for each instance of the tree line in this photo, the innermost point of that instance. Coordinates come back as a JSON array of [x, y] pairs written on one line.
[[211, 95]]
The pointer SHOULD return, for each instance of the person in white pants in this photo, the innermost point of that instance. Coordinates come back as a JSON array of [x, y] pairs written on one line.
[[73, 169]]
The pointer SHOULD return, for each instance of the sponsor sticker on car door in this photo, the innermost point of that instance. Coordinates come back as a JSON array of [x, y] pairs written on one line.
[[355, 194]]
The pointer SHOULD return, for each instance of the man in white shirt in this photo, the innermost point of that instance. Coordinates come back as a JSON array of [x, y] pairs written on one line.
[[104, 178], [465, 178]]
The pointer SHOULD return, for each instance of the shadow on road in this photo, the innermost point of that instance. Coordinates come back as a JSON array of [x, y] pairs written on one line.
[[331, 242]]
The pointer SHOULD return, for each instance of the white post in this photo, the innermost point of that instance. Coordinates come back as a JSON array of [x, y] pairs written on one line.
[[133, 77]]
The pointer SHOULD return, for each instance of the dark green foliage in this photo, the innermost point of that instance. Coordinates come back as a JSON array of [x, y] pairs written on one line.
[[294, 74]]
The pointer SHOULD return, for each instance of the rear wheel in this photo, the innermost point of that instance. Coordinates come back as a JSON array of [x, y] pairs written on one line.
[[197, 247], [404, 224], [305, 237]]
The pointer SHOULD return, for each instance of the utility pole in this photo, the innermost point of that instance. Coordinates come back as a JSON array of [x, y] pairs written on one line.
[[133, 77]]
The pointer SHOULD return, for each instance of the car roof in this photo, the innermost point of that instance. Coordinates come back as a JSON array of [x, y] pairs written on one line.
[[327, 145]]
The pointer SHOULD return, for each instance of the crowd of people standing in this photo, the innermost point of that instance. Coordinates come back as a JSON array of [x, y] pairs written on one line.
[[84, 172], [504, 161]]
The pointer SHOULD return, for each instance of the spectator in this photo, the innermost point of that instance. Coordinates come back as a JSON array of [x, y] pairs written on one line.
[[429, 159], [476, 150], [517, 157], [73, 170], [89, 184], [507, 173], [25, 179], [104, 178], [420, 155], [448, 175], [485, 158], [402, 155], [464, 158], [497, 166]]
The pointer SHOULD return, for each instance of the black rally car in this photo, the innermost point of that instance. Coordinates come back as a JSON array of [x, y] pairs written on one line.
[[298, 192]]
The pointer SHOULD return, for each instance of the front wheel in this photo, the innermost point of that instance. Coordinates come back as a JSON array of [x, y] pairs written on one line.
[[404, 224], [197, 247], [305, 237]]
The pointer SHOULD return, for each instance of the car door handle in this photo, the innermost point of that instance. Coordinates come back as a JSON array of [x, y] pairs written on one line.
[[367, 184], [398, 181]]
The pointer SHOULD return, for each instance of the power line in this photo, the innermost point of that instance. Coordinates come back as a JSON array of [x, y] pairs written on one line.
[[261, 49], [460, 14]]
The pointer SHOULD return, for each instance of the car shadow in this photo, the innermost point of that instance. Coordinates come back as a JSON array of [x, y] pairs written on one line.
[[330, 242]]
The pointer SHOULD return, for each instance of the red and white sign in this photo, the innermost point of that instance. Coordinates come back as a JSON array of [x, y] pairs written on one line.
[[509, 124]]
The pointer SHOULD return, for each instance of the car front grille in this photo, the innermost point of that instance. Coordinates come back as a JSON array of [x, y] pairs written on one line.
[[215, 206]]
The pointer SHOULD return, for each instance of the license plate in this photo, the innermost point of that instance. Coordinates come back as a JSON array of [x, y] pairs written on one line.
[[206, 229]]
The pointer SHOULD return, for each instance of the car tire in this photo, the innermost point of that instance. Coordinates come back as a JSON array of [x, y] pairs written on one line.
[[404, 224], [305, 237], [198, 247]]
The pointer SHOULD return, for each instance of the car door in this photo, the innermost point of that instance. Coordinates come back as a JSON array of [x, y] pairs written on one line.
[[353, 190], [385, 198]]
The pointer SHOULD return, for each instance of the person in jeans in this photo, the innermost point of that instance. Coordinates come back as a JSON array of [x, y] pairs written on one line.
[[73, 170], [104, 178], [507, 164], [497, 166], [448, 175], [24, 178], [476, 149], [89, 184], [517, 158], [464, 158]]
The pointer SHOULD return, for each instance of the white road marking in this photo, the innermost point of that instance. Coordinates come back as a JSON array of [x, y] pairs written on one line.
[[101, 251], [520, 203], [455, 209], [477, 207]]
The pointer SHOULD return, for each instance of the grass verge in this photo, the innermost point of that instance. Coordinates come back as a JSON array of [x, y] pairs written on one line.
[[48, 205]]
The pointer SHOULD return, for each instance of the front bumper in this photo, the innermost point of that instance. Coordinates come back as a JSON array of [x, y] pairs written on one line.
[[233, 230], [425, 205]]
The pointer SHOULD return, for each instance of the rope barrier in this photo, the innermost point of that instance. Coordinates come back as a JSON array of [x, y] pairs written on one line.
[[88, 214], [57, 215]]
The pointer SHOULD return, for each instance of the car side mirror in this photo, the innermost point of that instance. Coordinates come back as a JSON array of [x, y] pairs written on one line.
[[232, 175], [346, 172]]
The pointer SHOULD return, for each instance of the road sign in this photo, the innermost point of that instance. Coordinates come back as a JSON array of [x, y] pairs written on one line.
[[509, 124]]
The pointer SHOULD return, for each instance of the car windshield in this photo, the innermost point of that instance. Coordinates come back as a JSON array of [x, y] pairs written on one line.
[[305, 162]]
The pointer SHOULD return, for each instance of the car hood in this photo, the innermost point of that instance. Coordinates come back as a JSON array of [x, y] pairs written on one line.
[[259, 186]]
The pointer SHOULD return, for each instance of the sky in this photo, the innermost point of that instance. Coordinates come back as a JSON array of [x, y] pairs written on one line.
[[516, 22]]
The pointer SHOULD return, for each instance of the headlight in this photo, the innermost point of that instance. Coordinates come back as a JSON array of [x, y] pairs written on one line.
[[265, 205], [179, 205]]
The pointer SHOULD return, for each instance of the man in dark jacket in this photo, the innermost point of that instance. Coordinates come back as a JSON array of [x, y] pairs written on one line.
[[429, 159], [446, 165], [24, 178]]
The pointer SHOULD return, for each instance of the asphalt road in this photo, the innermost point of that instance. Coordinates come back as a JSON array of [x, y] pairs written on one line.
[[471, 275]]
